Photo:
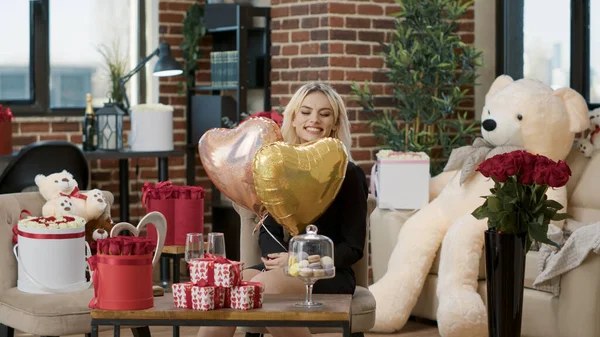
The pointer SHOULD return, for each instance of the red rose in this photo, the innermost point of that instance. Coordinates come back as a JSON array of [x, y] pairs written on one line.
[[559, 175], [562, 165], [139, 247], [485, 168], [104, 244], [127, 247], [114, 247], [512, 163], [150, 247], [541, 170]]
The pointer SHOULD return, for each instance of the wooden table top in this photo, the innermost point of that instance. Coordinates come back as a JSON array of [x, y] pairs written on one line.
[[336, 308]]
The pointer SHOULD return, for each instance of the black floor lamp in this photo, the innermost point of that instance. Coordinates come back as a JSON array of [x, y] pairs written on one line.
[[166, 66]]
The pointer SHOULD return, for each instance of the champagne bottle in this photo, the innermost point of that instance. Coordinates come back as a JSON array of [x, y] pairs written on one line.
[[89, 137]]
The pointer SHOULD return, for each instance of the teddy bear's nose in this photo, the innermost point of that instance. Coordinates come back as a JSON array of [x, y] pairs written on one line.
[[65, 180], [489, 124], [100, 231]]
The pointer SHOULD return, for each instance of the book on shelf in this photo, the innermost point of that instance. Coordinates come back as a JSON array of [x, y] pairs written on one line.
[[224, 68]]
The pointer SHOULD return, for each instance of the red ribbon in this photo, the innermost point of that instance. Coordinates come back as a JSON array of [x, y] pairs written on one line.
[[110, 260], [595, 131], [257, 291], [15, 228], [49, 236], [75, 194]]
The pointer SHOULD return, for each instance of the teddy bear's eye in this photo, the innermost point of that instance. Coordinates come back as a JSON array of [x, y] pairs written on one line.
[[520, 117], [56, 181], [489, 113]]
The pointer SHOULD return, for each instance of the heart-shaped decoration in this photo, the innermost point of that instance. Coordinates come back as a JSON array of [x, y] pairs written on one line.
[[154, 218], [297, 183], [227, 156]]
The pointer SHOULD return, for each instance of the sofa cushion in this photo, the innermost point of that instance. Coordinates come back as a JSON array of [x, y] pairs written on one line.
[[47, 315]]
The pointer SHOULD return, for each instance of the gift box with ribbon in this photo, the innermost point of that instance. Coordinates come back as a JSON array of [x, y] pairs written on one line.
[[246, 296], [204, 298], [182, 206], [216, 271]]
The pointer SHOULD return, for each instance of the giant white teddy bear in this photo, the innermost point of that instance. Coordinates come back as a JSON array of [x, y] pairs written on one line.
[[523, 114], [63, 197]]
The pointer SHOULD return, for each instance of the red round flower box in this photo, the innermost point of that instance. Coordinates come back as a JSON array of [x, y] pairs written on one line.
[[122, 282]]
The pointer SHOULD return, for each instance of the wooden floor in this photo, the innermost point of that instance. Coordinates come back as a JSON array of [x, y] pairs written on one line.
[[411, 329]]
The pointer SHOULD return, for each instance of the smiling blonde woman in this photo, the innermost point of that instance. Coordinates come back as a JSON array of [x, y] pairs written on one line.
[[314, 112]]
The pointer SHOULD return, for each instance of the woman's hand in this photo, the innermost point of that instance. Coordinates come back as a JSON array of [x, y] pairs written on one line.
[[276, 260]]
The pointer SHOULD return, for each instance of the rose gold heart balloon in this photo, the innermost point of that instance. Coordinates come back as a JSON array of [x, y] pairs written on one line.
[[227, 156], [297, 183]]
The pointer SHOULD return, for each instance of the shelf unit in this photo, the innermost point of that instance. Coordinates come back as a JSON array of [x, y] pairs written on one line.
[[246, 29]]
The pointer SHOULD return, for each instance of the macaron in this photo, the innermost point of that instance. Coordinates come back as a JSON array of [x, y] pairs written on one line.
[[314, 258], [294, 270], [327, 262], [318, 272], [292, 259], [304, 263], [329, 272], [306, 272], [315, 265]]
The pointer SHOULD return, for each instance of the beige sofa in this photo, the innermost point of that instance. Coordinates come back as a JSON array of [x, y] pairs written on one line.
[[574, 313], [42, 315], [363, 302]]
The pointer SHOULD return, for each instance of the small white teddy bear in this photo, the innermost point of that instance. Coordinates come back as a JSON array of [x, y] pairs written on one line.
[[64, 198], [591, 143]]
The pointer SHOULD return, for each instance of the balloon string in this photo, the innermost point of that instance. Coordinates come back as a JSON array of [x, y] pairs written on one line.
[[261, 222]]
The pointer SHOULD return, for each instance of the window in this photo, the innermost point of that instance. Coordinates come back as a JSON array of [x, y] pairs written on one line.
[[55, 57], [552, 42]]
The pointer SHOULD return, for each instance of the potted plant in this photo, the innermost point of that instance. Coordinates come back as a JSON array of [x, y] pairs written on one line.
[[116, 66], [193, 32], [6, 117], [518, 212], [432, 72]]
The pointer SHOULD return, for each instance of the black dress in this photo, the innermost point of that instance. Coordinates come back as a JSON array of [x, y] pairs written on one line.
[[344, 222]]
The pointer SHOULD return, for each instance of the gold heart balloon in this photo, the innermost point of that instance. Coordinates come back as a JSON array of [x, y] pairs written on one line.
[[297, 183], [227, 156]]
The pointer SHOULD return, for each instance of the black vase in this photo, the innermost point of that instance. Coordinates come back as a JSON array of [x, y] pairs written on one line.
[[505, 273]]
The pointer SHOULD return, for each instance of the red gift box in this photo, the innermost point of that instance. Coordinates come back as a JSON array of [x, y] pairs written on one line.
[[204, 298], [216, 271], [182, 207], [202, 270], [246, 296], [228, 273]]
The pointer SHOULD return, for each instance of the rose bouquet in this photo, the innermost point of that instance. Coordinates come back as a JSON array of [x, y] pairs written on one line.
[[518, 203], [125, 245]]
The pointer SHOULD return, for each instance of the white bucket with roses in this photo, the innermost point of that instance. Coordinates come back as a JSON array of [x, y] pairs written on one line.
[[51, 253]]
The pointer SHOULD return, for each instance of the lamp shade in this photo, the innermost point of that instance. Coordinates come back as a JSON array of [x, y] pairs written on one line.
[[166, 65]]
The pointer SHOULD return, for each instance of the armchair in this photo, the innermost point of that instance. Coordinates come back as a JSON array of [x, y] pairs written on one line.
[[41, 315], [363, 302]]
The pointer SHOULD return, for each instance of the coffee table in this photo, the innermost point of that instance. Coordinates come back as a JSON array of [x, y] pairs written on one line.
[[277, 310]]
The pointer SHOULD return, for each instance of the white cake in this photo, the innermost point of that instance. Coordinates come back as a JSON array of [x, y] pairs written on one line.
[[51, 222]]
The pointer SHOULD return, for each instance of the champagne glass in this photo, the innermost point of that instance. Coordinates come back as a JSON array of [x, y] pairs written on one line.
[[216, 244], [194, 246]]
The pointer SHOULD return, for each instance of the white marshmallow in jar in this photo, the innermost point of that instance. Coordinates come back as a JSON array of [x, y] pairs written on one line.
[[310, 256]]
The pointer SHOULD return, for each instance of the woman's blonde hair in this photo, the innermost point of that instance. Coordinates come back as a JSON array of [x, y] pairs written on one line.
[[341, 123]]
